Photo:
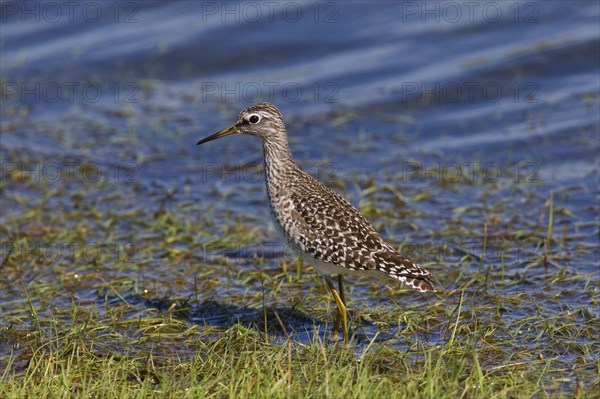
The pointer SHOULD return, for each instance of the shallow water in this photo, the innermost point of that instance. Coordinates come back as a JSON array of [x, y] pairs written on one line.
[[457, 115]]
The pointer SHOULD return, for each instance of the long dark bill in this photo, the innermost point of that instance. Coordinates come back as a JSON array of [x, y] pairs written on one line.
[[225, 132]]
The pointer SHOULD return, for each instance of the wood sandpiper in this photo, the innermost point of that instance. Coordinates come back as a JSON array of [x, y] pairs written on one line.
[[317, 223]]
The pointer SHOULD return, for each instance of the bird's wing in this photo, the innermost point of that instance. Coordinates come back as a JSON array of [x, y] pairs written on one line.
[[330, 229]]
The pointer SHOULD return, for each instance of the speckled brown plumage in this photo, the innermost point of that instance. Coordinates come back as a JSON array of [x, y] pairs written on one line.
[[316, 222]]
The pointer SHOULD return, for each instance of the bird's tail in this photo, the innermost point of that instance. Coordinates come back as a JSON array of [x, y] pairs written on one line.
[[397, 266]]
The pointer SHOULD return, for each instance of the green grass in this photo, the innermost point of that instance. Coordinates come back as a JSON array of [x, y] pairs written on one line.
[[98, 360], [458, 344], [142, 302]]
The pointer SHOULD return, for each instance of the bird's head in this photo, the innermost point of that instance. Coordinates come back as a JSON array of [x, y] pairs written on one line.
[[262, 120]]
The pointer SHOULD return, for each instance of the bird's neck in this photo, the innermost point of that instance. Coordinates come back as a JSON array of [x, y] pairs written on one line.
[[278, 160]]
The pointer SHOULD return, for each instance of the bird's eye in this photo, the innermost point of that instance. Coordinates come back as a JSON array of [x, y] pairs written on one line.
[[254, 119]]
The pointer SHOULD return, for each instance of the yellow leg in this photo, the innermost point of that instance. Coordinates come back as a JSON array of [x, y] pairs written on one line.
[[341, 291], [341, 311], [336, 325]]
